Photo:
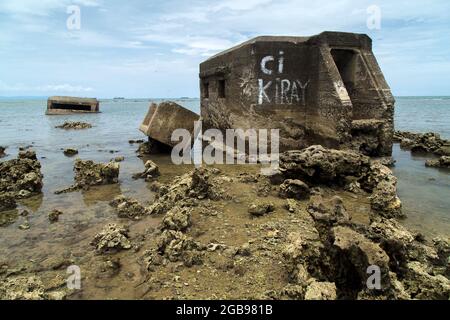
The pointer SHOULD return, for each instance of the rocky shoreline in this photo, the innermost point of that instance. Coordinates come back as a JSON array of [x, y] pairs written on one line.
[[19, 179], [292, 235]]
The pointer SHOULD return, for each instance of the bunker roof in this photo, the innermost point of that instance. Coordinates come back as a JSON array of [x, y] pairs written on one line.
[[65, 99], [330, 38]]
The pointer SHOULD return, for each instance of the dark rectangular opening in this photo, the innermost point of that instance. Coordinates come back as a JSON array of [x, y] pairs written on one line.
[[221, 89], [206, 90], [68, 106], [345, 62]]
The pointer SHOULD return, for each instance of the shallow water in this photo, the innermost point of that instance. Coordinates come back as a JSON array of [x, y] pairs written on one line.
[[423, 114], [423, 191]]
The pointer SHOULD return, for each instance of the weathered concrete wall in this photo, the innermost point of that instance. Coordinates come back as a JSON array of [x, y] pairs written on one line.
[[65, 105], [164, 118], [312, 89]]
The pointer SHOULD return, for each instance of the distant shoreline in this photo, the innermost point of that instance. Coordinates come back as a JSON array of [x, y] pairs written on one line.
[[175, 98]]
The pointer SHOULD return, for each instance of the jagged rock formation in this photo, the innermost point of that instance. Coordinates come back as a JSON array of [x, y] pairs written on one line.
[[441, 162], [127, 207], [423, 142], [345, 254], [193, 185], [19, 178], [74, 125], [318, 165], [111, 238], [296, 189], [151, 171], [88, 173]]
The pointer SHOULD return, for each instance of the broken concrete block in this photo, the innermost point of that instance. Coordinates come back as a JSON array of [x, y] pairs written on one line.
[[326, 89], [65, 105], [162, 119]]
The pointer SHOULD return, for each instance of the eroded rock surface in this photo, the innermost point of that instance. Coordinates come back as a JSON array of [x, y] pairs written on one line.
[[2, 152], [383, 185], [442, 162], [22, 288], [112, 238], [74, 125], [88, 173], [294, 188], [70, 152], [53, 215], [345, 254], [177, 218], [27, 154], [354, 171], [7, 202], [151, 171], [20, 178], [329, 211], [199, 184], [151, 146], [127, 207], [318, 164], [423, 142], [260, 208]]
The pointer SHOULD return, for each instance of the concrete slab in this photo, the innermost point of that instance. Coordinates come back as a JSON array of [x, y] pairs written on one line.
[[162, 119]]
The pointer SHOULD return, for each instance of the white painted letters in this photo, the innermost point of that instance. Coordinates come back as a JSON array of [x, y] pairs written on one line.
[[262, 91], [279, 90], [263, 65]]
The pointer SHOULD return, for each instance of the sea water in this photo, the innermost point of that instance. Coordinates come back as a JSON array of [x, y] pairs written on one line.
[[425, 192]]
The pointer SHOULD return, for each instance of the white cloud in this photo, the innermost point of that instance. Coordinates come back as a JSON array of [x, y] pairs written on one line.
[[94, 39], [172, 37], [48, 88], [19, 8], [239, 5], [191, 45]]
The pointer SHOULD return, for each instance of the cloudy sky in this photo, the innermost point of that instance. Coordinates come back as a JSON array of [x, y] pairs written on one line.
[[138, 48]]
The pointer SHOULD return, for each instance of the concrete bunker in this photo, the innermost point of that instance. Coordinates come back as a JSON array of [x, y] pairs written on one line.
[[67, 105], [326, 89]]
